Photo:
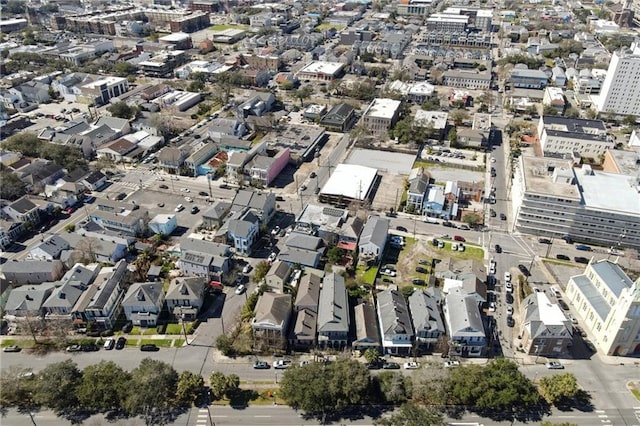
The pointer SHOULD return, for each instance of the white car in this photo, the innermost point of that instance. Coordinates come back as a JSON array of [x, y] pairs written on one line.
[[389, 272], [509, 287], [189, 199], [240, 289], [179, 208], [185, 190], [275, 231], [554, 365], [492, 307], [440, 244], [247, 268], [492, 270], [280, 364], [461, 247], [509, 310], [272, 257], [492, 262], [451, 364], [507, 277], [411, 365], [454, 246]]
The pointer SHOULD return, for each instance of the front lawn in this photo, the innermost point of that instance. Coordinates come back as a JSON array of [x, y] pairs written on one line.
[[366, 275]]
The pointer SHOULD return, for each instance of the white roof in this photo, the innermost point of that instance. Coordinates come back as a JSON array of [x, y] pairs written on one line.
[[351, 181], [555, 93], [173, 37], [105, 80], [550, 313], [438, 119], [383, 108], [609, 192], [322, 67]]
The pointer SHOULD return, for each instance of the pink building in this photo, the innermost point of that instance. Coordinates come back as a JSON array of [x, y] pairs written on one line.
[[263, 169]]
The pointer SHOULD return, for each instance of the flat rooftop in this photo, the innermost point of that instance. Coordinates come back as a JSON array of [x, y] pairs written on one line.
[[610, 192], [323, 67], [298, 138], [550, 313], [351, 181], [383, 108], [538, 178]]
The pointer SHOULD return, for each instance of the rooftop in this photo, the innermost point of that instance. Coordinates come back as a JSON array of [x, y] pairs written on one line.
[[538, 177], [383, 108], [322, 67], [609, 191], [350, 181]]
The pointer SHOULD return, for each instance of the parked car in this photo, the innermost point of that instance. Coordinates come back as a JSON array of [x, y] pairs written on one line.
[[447, 224], [492, 307], [507, 277], [312, 175], [510, 321], [90, 347], [461, 247], [544, 241], [562, 257], [583, 247], [179, 208], [121, 196], [509, 310], [194, 209], [275, 231], [247, 268], [401, 229], [121, 342], [503, 216], [411, 365], [451, 364], [417, 281], [440, 244], [390, 366], [464, 228], [580, 259], [554, 365], [421, 270], [374, 366], [261, 365], [272, 257], [109, 344], [524, 270], [203, 194], [563, 305], [127, 327], [74, 348], [240, 289], [498, 248], [281, 364], [12, 348], [492, 213], [459, 238], [388, 272], [149, 347]]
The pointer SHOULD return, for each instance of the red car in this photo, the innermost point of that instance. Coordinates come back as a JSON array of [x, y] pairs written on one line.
[[459, 238]]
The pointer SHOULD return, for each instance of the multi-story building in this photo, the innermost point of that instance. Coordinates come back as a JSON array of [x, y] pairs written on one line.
[[333, 313], [554, 97], [545, 330], [554, 199], [608, 302], [395, 323], [381, 115], [447, 22], [100, 91], [467, 79], [528, 79], [415, 7], [620, 92], [322, 71], [566, 136]]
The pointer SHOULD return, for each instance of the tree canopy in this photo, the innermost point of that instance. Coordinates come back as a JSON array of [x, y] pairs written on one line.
[[56, 387], [558, 388], [155, 386], [320, 389], [103, 387], [29, 145], [11, 187], [412, 415], [122, 110]]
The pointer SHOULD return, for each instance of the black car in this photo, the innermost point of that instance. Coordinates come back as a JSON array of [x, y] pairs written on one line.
[[562, 257], [447, 224], [503, 216], [434, 243], [493, 213], [121, 196], [121, 342], [417, 281], [498, 248], [150, 347], [581, 259], [524, 270], [563, 305], [390, 366], [544, 241], [510, 321], [194, 209], [312, 175], [163, 186], [374, 366], [90, 347], [401, 228], [509, 298], [421, 270], [203, 194], [424, 261]]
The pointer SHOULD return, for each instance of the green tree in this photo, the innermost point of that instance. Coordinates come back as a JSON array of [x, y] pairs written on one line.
[[233, 385], [152, 393], [287, 85], [629, 120], [319, 389], [189, 388], [122, 110], [335, 254], [472, 219], [303, 93], [220, 385], [16, 388], [56, 387], [371, 355], [195, 86], [413, 415], [103, 387], [260, 271], [11, 187], [453, 136], [572, 113], [394, 386], [225, 345], [558, 388], [124, 69], [459, 116]]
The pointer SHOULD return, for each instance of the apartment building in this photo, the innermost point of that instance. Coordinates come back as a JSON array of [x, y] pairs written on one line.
[[565, 136], [447, 22], [620, 91], [551, 198], [381, 115], [608, 303]]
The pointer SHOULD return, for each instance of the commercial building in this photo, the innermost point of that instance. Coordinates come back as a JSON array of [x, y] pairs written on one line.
[[415, 7], [561, 136], [381, 115], [528, 79], [620, 92], [100, 91], [608, 303], [348, 183], [321, 71], [554, 97], [467, 79], [552, 198], [447, 22]]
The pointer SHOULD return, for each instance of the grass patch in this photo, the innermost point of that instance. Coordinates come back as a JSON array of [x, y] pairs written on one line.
[[175, 328], [143, 331], [636, 393], [178, 343], [328, 26], [267, 396], [558, 262], [163, 343], [223, 27], [366, 275], [470, 252]]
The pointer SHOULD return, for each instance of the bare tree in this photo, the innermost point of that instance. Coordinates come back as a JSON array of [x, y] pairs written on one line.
[[89, 248]]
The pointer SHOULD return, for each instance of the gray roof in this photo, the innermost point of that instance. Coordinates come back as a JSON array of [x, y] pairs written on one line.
[[303, 241], [394, 314], [526, 73], [53, 246], [309, 291], [252, 199], [218, 210], [28, 298], [425, 312], [612, 276], [306, 325], [23, 205], [280, 269], [366, 324], [273, 308], [186, 288], [143, 294], [463, 315], [304, 257], [242, 227], [333, 309], [65, 295], [592, 295], [31, 266], [114, 123], [419, 184], [375, 231], [106, 283], [191, 244]]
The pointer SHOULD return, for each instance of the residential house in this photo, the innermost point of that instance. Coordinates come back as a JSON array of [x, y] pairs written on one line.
[[418, 183], [426, 319], [27, 301], [308, 294], [528, 79], [303, 249], [466, 137], [100, 303], [340, 118], [545, 330], [434, 203], [243, 232], [49, 249], [142, 303], [33, 92], [204, 258], [83, 274], [95, 180], [10, 231], [258, 104], [395, 323], [263, 204], [163, 224], [19, 272], [333, 313], [123, 221], [23, 210], [374, 238], [271, 321], [64, 296], [214, 216], [367, 335], [607, 301], [467, 337], [172, 159], [120, 126], [185, 297], [220, 127], [93, 248], [120, 150], [278, 275], [304, 330]]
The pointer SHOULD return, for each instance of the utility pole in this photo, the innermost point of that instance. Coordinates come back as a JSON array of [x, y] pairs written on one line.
[[209, 182]]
